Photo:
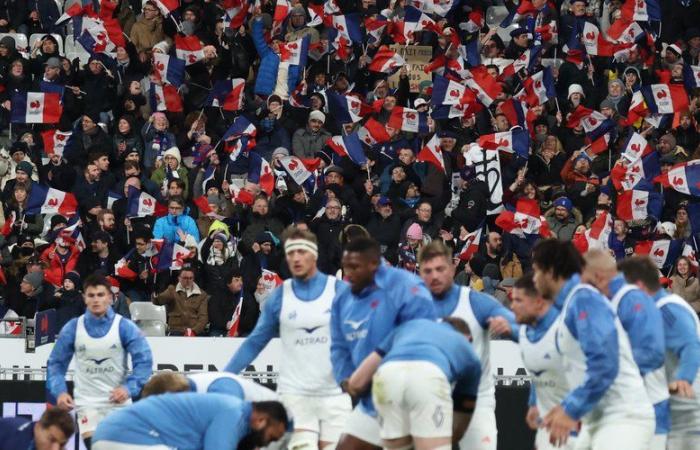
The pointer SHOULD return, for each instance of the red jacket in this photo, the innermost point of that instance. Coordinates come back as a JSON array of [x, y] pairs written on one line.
[[569, 176], [56, 270]]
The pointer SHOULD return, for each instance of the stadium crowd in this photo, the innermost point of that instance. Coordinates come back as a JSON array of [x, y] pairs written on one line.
[[173, 148]]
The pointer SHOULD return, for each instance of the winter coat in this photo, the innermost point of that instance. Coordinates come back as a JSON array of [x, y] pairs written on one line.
[[166, 227], [56, 270], [160, 175], [68, 304], [386, 232], [257, 224], [328, 233], [305, 143], [688, 288], [221, 309], [185, 311], [269, 64], [155, 143], [472, 207], [147, 33]]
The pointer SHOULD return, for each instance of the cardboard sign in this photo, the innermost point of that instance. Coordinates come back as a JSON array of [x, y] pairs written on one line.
[[417, 57]]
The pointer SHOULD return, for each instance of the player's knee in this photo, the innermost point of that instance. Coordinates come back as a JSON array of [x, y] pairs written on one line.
[[303, 440], [444, 447], [401, 447]]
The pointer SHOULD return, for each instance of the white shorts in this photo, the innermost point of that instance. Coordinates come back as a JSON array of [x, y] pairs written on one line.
[[323, 415], [683, 441], [363, 426], [88, 418], [542, 441], [111, 445], [617, 433], [482, 433], [412, 398]]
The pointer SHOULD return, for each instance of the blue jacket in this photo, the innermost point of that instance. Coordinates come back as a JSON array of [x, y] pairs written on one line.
[[269, 64], [681, 339], [187, 421], [166, 227], [16, 433], [268, 325], [591, 321], [132, 340], [360, 322]]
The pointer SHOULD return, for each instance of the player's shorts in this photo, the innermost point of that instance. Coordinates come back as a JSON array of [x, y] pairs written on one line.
[[542, 441], [412, 398], [482, 433], [111, 445], [89, 417], [363, 426], [683, 441], [617, 433], [323, 415]]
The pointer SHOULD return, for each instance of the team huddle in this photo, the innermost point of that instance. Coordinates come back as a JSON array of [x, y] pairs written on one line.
[[389, 360]]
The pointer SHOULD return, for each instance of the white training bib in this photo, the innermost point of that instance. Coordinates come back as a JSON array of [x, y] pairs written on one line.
[[481, 343], [252, 391], [100, 365], [305, 334]]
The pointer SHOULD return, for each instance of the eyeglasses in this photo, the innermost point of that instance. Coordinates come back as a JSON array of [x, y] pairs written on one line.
[[332, 207], [150, 9]]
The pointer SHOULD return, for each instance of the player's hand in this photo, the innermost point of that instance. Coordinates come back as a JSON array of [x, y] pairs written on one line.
[[119, 395], [65, 401], [532, 418], [499, 326], [559, 425], [681, 388]]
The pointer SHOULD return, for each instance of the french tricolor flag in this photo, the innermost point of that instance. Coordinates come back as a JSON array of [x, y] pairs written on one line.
[[75, 8], [45, 200], [515, 141], [259, 172], [625, 31], [167, 6], [141, 204], [169, 69], [524, 8], [575, 117], [282, 8], [349, 146], [414, 20], [236, 12], [295, 52], [165, 98], [449, 92], [641, 10], [227, 94], [348, 26], [295, 168], [525, 221], [375, 27], [122, 270], [684, 178], [75, 228], [241, 126], [485, 86], [188, 48], [96, 39], [515, 112], [525, 61], [636, 147], [346, 108], [6, 229], [236, 317], [639, 204], [56, 141], [596, 237], [627, 176], [538, 88], [386, 60], [663, 252], [373, 132], [691, 76], [407, 119], [597, 124], [36, 107], [171, 256], [665, 98], [597, 45], [471, 245], [432, 153]]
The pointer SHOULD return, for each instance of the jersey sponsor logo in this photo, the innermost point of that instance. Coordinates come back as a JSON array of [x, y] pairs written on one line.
[[98, 370], [438, 416], [356, 333], [537, 373], [311, 329], [355, 325], [543, 383], [98, 361], [311, 340]]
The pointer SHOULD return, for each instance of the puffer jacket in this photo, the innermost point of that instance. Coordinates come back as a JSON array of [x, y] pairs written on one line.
[[185, 311], [269, 64], [166, 227], [56, 270], [306, 143]]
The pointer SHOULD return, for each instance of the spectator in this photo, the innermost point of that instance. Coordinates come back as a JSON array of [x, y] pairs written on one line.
[[67, 300], [101, 258], [306, 142], [222, 306], [60, 258], [171, 168], [685, 283], [186, 304], [176, 226], [34, 295], [561, 219], [385, 227], [473, 201], [148, 29], [264, 255]]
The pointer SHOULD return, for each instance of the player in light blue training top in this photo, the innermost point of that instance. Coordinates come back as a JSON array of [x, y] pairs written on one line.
[[189, 421]]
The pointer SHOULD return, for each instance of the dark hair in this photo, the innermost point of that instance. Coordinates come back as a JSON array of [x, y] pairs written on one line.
[[180, 183], [641, 269], [561, 257], [96, 280], [233, 273], [94, 156], [526, 283], [296, 233], [366, 246], [458, 324], [142, 233], [434, 249], [177, 199], [352, 232], [132, 165], [275, 410], [59, 418], [188, 268]]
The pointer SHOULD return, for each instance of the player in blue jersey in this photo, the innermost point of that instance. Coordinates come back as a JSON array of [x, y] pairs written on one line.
[[380, 299], [642, 321], [99, 341], [299, 313], [682, 339], [548, 385], [415, 367], [208, 382], [607, 394], [485, 316], [50, 432], [190, 421]]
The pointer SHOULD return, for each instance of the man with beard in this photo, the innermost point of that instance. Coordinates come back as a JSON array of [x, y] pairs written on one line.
[[193, 421], [381, 298], [298, 312]]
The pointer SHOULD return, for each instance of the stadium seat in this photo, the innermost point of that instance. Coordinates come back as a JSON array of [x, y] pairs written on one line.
[[75, 50], [154, 328], [38, 36], [21, 43], [142, 311]]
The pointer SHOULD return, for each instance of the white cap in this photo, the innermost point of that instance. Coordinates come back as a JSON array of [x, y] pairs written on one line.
[[667, 228], [575, 88], [419, 101], [317, 115]]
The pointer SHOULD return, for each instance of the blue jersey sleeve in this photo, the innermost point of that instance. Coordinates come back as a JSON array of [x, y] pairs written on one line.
[[468, 379], [226, 386], [60, 358], [591, 321], [486, 307], [413, 300], [641, 319], [386, 344], [341, 356], [222, 433], [268, 327], [682, 340], [141, 357], [532, 398]]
